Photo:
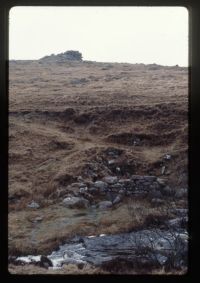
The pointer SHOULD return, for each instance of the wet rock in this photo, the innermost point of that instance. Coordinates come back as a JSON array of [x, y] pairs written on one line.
[[113, 152], [180, 222], [180, 211], [110, 195], [148, 244], [183, 236], [155, 194], [137, 177], [89, 184], [118, 199], [80, 179], [167, 191], [161, 259], [93, 206], [77, 185], [68, 254], [149, 248], [29, 259], [167, 157], [136, 141], [71, 256], [149, 178], [105, 204], [80, 265], [146, 183], [38, 219], [83, 189], [116, 186], [161, 182], [122, 191], [100, 185], [155, 186], [88, 196], [125, 182], [75, 202], [181, 193], [140, 182], [110, 179], [33, 204], [110, 162], [45, 262], [131, 188], [93, 190], [163, 170], [118, 169]]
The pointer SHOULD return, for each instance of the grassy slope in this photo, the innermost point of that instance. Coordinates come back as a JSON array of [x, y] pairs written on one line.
[[58, 126]]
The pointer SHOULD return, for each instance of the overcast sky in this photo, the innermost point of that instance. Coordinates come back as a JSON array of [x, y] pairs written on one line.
[[105, 34]]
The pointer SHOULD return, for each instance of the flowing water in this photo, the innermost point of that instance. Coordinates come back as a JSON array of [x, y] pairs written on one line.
[[154, 245]]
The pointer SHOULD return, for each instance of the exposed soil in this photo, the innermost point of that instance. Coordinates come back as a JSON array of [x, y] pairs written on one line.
[[68, 121]]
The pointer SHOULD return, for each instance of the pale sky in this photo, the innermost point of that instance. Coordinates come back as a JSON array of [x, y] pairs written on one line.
[[104, 34]]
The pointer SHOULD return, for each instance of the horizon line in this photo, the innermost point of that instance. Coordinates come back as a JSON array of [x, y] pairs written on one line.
[[108, 62]]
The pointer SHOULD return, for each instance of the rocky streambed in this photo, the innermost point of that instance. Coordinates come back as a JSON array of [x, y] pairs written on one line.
[[140, 249], [157, 246]]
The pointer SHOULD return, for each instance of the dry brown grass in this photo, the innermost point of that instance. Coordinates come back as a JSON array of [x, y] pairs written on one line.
[[69, 269], [29, 237], [56, 128]]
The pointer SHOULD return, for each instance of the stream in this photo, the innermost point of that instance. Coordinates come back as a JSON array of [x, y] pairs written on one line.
[[152, 246]]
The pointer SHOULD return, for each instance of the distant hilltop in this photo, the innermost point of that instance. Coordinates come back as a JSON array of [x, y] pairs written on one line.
[[70, 55]]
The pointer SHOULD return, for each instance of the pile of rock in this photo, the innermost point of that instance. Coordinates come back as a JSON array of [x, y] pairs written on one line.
[[111, 190], [71, 55]]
